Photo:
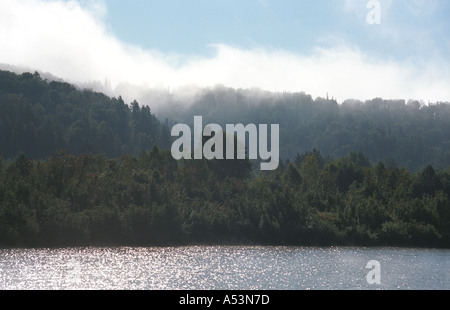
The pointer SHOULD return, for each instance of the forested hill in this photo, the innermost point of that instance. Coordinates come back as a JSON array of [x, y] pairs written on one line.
[[407, 134], [39, 118], [98, 191]]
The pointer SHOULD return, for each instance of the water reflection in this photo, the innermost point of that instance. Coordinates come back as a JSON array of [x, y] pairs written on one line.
[[214, 268]]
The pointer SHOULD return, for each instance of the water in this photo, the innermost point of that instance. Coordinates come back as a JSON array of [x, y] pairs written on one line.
[[222, 268]]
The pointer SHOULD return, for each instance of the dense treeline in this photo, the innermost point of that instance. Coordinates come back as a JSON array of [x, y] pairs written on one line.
[[117, 185], [151, 199], [407, 134], [39, 118]]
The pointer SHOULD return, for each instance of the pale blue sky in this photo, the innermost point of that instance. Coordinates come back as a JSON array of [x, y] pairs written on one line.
[[417, 28]]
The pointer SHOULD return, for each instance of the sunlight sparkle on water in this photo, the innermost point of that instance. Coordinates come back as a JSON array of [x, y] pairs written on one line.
[[216, 268]]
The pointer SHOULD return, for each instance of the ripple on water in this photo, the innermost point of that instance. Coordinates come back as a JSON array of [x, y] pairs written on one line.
[[215, 268]]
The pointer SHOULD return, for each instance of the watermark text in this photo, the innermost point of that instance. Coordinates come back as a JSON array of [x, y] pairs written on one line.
[[235, 138], [374, 15], [374, 275]]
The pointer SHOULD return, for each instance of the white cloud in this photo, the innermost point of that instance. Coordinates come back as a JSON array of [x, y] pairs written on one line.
[[96, 8], [72, 42]]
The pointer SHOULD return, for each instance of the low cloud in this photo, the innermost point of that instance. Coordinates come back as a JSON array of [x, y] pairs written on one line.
[[72, 41]]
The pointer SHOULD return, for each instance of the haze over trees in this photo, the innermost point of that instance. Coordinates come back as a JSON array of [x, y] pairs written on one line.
[[405, 133], [39, 118], [80, 168]]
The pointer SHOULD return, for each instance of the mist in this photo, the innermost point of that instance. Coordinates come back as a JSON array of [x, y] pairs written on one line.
[[73, 42]]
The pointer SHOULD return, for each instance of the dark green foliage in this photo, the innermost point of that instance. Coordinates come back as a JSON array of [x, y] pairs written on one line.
[[116, 183], [38, 119], [154, 200], [399, 133]]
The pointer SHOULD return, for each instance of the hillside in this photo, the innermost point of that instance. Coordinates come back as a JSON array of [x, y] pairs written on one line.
[[401, 133], [39, 118], [80, 168]]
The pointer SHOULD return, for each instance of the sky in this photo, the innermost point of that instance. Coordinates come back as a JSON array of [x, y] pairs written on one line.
[[318, 47]]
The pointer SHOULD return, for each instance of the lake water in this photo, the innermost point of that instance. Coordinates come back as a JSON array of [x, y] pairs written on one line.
[[223, 268]]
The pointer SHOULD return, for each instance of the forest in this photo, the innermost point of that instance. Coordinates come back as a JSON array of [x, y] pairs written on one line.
[[410, 134], [39, 118], [80, 168]]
